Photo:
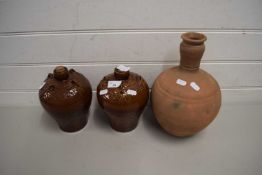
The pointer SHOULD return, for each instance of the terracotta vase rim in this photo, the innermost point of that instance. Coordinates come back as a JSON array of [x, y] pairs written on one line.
[[194, 38]]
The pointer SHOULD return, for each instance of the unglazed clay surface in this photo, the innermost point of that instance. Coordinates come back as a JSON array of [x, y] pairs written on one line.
[[66, 95], [185, 98], [123, 104]]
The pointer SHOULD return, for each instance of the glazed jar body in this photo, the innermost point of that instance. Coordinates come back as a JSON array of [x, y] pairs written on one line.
[[124, 115], [122, 108], [185, 98], [67, 100], [68, 120]]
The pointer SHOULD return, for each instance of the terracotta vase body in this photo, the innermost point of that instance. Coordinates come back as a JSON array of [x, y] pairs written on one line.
[[66, 96], [186, 99], [123, 95]]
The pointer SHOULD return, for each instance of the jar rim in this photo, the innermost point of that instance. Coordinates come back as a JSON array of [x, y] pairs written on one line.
[[194, 38]]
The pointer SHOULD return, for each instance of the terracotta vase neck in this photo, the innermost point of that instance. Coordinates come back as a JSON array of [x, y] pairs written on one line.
[[191, 50]]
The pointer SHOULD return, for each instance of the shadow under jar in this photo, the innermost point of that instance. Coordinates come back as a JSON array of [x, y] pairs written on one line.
[[123, 95], [66, 96], [185, 98]]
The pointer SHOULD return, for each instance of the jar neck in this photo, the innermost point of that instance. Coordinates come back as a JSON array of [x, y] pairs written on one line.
[[191, 50], [121, 75], [61, 73]]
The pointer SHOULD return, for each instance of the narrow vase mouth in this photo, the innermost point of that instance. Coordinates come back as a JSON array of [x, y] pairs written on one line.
[[194, 38]]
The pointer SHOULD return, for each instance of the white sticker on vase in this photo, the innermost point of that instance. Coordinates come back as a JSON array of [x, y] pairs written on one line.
[[181, 82], [103, 92], [123, 68], [194, 86], [131, 92], [113, 84], [42, 85]]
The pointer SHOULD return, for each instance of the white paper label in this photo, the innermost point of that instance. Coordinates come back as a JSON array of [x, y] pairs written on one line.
[[131, 92], [113, 84], [103, 92], [123, 68], [194, 86], [181, 82], [42, 85]]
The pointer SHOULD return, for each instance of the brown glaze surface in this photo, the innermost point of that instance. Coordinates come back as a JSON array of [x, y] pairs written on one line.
[[123, 109], [66, 96], [183, 110]]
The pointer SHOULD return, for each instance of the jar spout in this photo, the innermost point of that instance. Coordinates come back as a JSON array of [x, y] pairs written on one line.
[[61, 73], [191, 50], [120, 74]]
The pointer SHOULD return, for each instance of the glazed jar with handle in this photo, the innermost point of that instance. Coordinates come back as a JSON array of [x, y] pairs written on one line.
[[185, 98], [66, 96], [123, 95]]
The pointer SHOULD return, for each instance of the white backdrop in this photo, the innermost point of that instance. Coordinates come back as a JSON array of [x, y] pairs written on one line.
[[93, 36]]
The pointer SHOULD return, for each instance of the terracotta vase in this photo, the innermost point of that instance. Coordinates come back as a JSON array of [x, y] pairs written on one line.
[[66, 96], [123, 95], [185, 98]]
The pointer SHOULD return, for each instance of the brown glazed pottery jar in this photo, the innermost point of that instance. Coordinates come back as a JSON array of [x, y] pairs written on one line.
[[185, 98], [123, 95], [66, 96]]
